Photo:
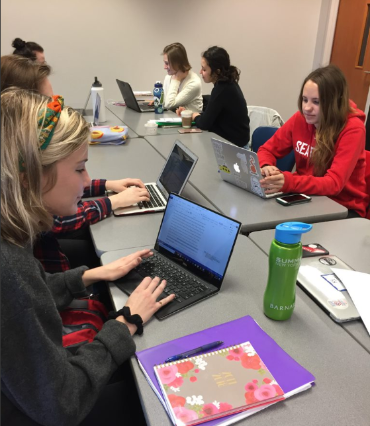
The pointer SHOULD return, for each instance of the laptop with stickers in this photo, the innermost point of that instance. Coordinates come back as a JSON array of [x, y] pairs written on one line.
[[318, 280], [239, 167]]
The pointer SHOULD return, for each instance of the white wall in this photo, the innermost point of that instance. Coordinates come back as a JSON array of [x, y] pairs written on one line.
[[272, 42]]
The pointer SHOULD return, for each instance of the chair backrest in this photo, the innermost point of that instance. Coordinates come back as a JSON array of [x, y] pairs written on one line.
[[262, 116], [263, 134]]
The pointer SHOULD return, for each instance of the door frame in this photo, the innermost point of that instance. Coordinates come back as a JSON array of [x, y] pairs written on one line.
[[325, 37]]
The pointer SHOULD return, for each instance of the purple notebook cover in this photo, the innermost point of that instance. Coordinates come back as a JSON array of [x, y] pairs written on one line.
[[287, 372]]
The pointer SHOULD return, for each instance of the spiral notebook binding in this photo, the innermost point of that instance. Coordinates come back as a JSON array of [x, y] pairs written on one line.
[[208, 354]]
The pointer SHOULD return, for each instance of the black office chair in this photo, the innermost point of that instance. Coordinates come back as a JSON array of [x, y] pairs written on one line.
[[263, 134]]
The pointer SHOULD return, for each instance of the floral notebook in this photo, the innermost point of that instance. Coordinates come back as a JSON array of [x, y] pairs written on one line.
[[216, 384]]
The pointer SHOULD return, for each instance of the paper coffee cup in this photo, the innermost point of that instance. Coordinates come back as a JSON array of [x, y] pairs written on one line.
[[186, 117]]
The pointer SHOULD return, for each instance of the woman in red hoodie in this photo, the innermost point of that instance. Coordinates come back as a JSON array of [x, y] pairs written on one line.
[[328, 138]]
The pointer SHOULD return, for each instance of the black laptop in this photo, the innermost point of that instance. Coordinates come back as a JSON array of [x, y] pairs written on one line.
[[192, 252], [130, 99]]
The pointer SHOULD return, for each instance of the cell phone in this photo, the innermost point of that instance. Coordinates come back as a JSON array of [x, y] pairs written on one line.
[[190, 130], [313, 249], [291, 199]]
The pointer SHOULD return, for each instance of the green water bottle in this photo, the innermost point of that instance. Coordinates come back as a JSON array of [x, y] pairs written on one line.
[[284, 261]]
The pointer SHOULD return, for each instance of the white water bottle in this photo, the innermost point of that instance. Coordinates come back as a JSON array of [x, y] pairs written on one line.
[[98, 88]]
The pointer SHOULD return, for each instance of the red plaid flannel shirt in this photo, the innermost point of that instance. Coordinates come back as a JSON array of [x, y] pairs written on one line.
[[47, 249]]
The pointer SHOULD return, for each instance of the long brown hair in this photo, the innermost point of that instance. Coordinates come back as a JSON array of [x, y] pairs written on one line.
[[334, 110], [22, 72], [177, 57]]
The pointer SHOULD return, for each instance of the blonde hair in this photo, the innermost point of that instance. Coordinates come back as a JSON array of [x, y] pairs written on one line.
[[23, 214], [334, 110]]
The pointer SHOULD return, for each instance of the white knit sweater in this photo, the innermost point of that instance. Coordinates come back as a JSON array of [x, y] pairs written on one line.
[[188, 93]]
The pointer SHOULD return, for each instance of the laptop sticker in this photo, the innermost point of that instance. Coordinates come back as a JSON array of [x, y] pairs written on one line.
[[224, 169], [338, 304], [252, 166], [256, 187], [218, 150], [243, 162], [333, 280]]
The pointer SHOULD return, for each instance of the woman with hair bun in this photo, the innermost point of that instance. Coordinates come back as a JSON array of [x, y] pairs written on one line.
[[226, 113], [327, 135], [29, 49]]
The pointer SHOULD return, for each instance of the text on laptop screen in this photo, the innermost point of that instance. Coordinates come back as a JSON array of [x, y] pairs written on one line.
[[176, 170], [197, 237]]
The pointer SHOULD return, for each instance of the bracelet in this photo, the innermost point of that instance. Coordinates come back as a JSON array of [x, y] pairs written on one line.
[[132, 319]]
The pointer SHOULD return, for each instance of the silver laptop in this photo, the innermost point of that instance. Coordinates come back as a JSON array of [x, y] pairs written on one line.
[[192, 253], [130, 99], [239, 167], [173, 178], [318, 280]]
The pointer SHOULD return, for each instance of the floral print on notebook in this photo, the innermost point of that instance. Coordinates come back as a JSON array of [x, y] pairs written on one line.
[[216, 384]]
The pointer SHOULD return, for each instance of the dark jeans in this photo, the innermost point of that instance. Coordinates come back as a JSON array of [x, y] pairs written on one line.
[[118, 403]]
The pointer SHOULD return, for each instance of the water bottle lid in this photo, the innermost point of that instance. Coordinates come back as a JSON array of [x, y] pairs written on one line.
[[158, 84], [97, 83], [290, 232]]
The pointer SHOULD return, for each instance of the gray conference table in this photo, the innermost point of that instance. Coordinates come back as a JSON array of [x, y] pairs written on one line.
[[136, 120], [135, 159], [340, 365], [350, 241], [111, 120], [252, 211]]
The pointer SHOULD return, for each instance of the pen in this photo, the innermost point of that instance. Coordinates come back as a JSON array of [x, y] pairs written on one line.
[[202, 348]]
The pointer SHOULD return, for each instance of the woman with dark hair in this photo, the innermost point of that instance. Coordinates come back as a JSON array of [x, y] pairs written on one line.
[[28, 49], [327, 135], [226, 113], [181, 85]]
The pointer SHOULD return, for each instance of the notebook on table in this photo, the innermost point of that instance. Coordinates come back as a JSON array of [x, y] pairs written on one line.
[[216, 384], [240, 167], [291, 376], [130, 99], [192, 252], [318, 280], [173, 178]]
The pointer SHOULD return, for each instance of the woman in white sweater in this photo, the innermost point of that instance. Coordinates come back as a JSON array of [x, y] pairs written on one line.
[[182, 86]]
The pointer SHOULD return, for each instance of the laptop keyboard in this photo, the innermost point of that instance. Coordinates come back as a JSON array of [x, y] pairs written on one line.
[[155, 200], [179, 282]]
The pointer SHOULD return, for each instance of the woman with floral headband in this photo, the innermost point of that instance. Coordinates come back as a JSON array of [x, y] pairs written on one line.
[[43, 173]]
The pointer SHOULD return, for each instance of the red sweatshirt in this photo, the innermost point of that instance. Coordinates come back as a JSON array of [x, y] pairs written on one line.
[[344, 181]]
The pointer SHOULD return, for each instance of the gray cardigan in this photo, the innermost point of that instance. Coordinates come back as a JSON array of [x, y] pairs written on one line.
[[41, 382]]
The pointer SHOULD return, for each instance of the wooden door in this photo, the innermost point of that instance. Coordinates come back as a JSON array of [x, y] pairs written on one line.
[[351, 47]]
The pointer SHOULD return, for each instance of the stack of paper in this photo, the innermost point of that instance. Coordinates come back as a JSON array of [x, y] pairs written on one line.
[[358, 286], [291, 376]]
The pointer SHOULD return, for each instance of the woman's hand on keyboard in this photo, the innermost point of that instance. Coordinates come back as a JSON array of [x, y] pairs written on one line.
[[143, 300], [129, 197], [123, 184], [117, 269]]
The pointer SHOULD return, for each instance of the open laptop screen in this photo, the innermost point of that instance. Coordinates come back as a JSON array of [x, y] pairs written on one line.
[[199, 239], [176, 170]]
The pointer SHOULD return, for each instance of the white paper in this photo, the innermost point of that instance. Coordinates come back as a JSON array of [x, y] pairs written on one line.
[[358, 287]]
